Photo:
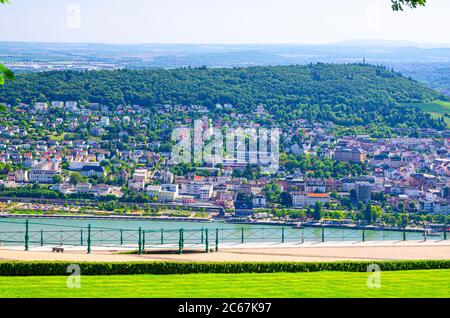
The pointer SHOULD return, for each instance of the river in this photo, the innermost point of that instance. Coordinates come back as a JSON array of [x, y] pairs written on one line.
[[122, 232]]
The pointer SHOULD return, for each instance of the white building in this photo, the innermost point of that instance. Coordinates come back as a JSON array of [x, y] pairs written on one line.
[[57, 104], [206, 192], [105, 121], [164, 192], [21, 176], [300, 199], [201, 190], [259, 201], [41, 107], [76, 165], [44, 172], [71, 106]]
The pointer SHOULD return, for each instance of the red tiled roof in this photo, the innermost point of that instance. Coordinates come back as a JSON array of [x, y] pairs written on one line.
[[318, 195]]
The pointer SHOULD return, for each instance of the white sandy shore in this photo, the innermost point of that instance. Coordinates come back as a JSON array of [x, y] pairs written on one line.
[[308, 252]]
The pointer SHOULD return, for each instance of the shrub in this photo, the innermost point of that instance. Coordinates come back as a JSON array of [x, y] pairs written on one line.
[[166, 268]]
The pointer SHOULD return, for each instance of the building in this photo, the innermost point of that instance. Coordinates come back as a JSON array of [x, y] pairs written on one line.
[[71, 106], [363, 191], [64, 188], [141, 175], [355, 155], [21, 176], [104, 121], [164, 192], [206, 192], [312, 198], [136, 185], [259, 201], [44, 172], [106, 190], [139, 180], [396, 162], [427, 206], [300, 199], [41, 107], [441, 207], [166, 177], [83, 187], [90, 171], [200, 190], [57, 104]]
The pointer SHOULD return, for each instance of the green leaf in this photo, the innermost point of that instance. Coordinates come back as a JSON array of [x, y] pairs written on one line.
[[2, 80], [397, 5], [9, 74], [3, 108]]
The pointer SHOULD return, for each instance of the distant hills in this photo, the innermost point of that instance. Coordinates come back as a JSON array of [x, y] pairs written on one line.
[[427, 63], [390, 44]]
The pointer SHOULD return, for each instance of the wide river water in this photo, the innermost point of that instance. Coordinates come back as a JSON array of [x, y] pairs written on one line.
[[117, 232]]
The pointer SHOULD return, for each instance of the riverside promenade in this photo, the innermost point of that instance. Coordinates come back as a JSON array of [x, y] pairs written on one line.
[[248, 252]]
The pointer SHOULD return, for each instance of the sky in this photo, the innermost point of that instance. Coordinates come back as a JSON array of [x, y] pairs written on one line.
[[221, 21]]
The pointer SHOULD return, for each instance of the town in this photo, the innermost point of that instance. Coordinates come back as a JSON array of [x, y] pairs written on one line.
[[117, 157]]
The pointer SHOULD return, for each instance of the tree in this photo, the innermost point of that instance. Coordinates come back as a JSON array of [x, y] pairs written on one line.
[[272, 192], [286, 199], [244, 201], [317, 211], [377, 212], [401, 207], [57, 178], [368, 214], [404, 220], [397, 5], [105, 163], [413, 207], [4, 72], [76, 178]]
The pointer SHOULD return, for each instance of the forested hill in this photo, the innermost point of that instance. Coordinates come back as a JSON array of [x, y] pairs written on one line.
[[351, 94]]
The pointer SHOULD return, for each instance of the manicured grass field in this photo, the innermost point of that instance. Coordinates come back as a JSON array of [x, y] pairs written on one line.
[[426, 283]]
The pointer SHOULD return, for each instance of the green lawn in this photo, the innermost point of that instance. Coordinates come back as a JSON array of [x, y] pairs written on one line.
[[436, 109], [57, 137], [426, 283], [438, 106]]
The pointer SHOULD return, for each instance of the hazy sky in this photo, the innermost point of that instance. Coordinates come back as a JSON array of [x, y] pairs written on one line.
[[221, 21]]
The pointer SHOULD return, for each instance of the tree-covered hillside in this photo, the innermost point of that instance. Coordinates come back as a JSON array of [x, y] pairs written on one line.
[[352, 94]]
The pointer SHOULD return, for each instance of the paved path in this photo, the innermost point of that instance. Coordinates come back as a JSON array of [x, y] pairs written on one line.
[[250, 252]]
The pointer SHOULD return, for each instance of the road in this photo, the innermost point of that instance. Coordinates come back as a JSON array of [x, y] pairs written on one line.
[[89, 203]]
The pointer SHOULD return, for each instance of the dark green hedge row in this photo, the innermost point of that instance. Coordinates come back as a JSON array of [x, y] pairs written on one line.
[[165, 268]]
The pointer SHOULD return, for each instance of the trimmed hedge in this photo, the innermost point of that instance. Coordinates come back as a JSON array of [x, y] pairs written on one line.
[[166, 268]]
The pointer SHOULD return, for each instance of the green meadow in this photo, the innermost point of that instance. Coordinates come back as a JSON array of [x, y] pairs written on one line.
[[409, 284], [438, 106], [436, 109]]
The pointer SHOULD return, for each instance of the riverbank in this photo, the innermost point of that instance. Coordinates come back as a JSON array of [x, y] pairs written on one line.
[[105, 217], [300, 225], [256, 252]]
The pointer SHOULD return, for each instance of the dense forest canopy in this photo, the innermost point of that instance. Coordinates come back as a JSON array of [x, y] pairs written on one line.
[[347, 94]]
